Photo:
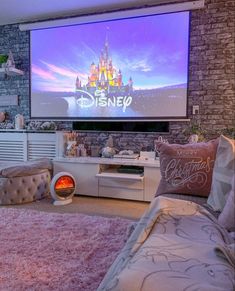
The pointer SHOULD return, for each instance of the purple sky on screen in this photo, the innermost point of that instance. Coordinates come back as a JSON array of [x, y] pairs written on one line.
[[153, 50]]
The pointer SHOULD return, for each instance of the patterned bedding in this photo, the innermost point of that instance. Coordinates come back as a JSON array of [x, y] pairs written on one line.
[[177, 245]]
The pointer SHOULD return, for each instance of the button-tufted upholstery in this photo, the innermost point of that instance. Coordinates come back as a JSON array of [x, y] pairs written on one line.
[[30, 186], [24, 189]]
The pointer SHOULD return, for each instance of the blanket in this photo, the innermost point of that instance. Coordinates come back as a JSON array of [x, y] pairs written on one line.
[[174, 247]]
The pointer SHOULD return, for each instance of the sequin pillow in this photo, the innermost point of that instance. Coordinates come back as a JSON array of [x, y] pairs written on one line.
[[186, 169]]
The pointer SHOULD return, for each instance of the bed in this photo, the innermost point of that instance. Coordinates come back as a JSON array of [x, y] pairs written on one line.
[[177, 245], [180, 244]]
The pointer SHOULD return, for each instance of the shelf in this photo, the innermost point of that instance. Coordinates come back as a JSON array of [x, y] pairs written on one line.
[[116, 175], [106, 161], [11, 71]]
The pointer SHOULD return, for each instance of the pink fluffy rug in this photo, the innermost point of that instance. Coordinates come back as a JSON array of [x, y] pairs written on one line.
[[51, 251]]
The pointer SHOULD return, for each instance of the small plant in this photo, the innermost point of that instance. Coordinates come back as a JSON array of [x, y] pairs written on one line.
[[3, 59]]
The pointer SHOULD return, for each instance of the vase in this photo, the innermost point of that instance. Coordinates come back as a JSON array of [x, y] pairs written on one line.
[[193, 138]]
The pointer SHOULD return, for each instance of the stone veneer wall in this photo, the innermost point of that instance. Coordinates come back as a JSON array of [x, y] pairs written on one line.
[[211, 77]]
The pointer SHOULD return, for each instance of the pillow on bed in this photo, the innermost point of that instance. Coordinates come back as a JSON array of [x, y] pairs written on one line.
[[186, 169], [227, 216], [222, 174]]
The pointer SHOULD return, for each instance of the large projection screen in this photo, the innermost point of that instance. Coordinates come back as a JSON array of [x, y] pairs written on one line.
[[133, 68]]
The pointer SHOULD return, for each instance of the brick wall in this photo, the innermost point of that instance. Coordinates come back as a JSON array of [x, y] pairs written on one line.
[[212, 65], [211, 77], [11, 38]]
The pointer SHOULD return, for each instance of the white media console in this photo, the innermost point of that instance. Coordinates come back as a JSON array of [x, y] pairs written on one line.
[[100, 177], [97, 177]]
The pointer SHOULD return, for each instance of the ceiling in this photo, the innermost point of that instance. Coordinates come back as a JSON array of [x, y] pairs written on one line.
[[18, 11]]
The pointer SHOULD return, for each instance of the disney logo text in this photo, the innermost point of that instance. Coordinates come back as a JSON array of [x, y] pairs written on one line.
[[101, 100]]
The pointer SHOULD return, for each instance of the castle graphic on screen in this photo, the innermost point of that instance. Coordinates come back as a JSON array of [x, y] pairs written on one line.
[[138, 74], [105, 76]]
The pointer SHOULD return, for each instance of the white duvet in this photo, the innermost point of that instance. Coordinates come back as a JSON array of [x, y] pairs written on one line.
[[177, 245]]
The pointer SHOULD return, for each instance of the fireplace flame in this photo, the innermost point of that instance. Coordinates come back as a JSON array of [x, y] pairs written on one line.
[[64, 182]]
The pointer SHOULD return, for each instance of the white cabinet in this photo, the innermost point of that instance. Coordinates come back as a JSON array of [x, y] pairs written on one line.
[[13, 146], [41, 145], [84, 174], [99, 177], [24, 146], [152, 178]]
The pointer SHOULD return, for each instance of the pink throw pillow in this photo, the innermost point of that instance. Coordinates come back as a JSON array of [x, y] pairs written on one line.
[[227, 216], [186, 169]]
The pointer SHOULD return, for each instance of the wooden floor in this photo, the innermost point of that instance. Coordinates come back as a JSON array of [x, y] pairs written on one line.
[[92, 206]]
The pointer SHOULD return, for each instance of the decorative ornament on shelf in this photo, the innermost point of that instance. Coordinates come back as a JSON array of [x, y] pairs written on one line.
[[48, 125], [109, 151], [19, 121], [109, 142], [7, 66], [71, 141], [158, 140], [41, 125], [161, 139], [194, 138], [10, 61], [2, 116], [71, 149]]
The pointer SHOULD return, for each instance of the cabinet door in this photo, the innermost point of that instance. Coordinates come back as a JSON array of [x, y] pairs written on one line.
[[41, 145], [86, 181], [152, 178]]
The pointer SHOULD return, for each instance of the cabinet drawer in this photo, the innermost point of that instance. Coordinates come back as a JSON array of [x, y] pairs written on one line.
[[121, 183], [121, 193]]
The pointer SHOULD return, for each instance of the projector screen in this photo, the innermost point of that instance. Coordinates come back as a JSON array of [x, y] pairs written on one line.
[[133, 68]]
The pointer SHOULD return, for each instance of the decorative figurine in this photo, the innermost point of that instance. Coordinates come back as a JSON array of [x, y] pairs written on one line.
[[10, 61], [109, 151]]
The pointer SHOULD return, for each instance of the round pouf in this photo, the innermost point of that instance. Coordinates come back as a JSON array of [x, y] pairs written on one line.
[[62, 188], [24, 189]]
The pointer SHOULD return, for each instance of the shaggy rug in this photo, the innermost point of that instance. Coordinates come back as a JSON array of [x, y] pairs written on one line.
[[52, 251]]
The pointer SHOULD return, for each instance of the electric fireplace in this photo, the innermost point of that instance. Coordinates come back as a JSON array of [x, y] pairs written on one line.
[[62, 188]]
